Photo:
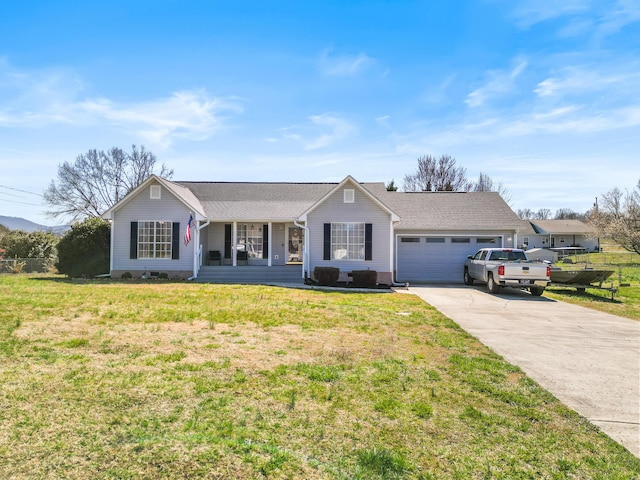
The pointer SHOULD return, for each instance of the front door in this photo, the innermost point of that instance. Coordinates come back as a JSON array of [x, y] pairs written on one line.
[[295, 236]]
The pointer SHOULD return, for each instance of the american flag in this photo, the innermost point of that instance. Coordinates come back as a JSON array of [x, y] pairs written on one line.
[[187, 234]]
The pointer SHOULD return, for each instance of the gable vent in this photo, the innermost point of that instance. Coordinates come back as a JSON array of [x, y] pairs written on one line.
[[155, 192], [349, 195]]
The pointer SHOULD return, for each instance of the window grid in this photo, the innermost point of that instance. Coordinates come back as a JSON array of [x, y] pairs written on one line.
[[154, 239], [250, 239], [347, 241]]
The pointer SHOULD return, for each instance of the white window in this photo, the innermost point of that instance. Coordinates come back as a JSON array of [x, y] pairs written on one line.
[[154, 239], [347, 241], [155, 192], [250, 239], [349, 195]]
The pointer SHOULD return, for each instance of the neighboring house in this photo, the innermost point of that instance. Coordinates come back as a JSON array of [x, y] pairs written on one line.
[[404, 237], [561, 235]]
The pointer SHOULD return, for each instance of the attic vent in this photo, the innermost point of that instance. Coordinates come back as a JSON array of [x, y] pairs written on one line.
[[155, 192], [349, 195]]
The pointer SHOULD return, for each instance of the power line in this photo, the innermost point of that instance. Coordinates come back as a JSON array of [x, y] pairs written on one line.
[[23, 191], [22, 203]]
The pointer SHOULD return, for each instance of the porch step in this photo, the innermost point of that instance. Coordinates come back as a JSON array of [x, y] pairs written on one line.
[[250, 274]]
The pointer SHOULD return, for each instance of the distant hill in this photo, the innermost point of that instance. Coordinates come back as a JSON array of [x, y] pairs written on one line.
[[16, 223]]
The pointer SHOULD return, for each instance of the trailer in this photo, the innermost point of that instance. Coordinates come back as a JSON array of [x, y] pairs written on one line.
[[582, 279]]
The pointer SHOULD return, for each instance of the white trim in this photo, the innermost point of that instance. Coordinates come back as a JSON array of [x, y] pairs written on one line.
[[199, 214], [270, 242], [349, 179]]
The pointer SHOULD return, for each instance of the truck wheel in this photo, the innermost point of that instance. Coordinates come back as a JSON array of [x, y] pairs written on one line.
[[467, 278], [536, 291], [492, 285]]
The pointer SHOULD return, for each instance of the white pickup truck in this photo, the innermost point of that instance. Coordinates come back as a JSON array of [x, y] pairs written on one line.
[[506, 267]]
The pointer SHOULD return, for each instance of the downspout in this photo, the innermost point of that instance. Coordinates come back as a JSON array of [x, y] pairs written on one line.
[[112, 235], [305, 254]]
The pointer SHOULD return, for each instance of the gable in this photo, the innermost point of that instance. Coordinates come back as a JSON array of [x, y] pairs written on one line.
[[349, 196], [155, 191]]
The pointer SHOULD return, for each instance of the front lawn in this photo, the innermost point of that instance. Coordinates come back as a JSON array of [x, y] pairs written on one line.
[[155, 380]]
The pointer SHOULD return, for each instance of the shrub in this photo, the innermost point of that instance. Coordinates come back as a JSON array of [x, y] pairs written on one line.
[[84, 250], [365, 278], [126, 275], [326, 275], [21, 244], [163, 275]]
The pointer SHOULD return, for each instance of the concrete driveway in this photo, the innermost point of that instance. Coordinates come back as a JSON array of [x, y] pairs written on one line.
[[587, 359]]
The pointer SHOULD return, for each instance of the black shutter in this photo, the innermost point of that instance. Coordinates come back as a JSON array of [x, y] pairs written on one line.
[[227, 240], [265, 240], [368, 241], [133, 243], [327, 241], [175, 241]]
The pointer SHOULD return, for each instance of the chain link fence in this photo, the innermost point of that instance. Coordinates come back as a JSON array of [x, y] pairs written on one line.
[[25, 265]]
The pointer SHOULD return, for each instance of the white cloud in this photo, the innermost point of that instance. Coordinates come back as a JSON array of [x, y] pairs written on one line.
[[599, 85], [527, 13], [600, 18], [191, 115], [321, 131], [499, 83], [344, 65], [35, 99], [338, 128]]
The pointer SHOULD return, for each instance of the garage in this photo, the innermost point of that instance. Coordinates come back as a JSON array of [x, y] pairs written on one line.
[[437, 258]]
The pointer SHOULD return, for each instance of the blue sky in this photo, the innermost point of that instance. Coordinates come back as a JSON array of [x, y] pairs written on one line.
[[542, 96]]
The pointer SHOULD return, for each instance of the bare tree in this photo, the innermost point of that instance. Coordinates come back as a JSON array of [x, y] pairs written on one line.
[[525, 213], [486, 184], [543, 214], [568, 214], [97, 180], [618, 218], [437, 175]]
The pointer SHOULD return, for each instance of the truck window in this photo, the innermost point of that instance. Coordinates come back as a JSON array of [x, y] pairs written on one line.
[[517, 256]]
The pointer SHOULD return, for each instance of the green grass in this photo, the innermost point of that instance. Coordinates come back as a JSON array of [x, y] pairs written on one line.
[[156, 380], [626, 267]]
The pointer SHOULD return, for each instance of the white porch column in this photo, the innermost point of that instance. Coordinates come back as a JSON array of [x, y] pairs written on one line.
[[269, 242], [234, 244]]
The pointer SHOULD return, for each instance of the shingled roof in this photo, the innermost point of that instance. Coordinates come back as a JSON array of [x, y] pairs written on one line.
[[561, 227], [227, 201], [237, 201], [452, 211]]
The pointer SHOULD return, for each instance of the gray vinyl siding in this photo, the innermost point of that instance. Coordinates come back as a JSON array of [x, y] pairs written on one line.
[[142, 208], [363, 209]]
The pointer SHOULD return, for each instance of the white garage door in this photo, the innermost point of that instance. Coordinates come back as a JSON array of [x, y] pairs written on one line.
[[437, 259]]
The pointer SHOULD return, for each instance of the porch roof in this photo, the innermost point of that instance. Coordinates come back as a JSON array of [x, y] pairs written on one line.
[[238, 201]]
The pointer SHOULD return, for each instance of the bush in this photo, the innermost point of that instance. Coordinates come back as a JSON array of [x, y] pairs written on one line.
[[84, 250], [126, 275], [326, 276], [163, 276], [21, 244], [365, 278]]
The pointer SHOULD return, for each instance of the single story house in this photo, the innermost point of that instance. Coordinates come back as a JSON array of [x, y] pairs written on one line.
[[563, 236], [187, 228]]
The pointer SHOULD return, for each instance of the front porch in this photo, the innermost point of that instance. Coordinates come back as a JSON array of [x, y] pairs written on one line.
[[251, 274]]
